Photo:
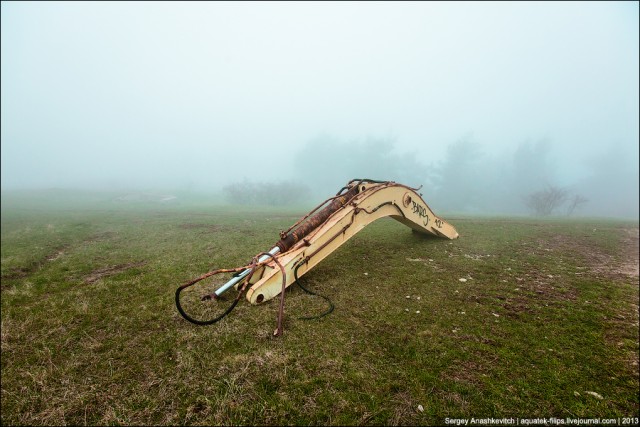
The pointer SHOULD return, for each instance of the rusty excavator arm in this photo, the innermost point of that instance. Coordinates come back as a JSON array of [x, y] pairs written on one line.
[[318, 234]]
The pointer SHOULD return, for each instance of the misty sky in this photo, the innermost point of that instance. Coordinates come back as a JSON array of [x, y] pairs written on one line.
[[153, 95]]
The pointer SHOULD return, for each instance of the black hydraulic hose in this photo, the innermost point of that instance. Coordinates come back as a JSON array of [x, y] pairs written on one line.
[[331, 306], [252, 266], [367, 180], [203, 322]]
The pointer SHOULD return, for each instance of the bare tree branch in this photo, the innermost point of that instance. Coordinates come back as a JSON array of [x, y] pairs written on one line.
[[544, 202]]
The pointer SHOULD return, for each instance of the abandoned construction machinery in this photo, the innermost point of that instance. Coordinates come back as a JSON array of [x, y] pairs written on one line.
[[318, 234]]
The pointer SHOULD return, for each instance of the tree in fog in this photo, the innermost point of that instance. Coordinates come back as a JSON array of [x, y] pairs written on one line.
[[544, 202], [532, 166], [576, 201], [265, 193], [612, 185], [326, 163], [458, 179]]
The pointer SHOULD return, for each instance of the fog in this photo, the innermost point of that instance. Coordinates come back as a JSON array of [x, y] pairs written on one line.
[[482, 103]]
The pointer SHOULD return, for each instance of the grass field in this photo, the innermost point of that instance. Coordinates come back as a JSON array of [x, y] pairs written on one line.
[[517, 318]]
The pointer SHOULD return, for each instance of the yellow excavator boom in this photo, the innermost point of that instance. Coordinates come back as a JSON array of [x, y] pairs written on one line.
[[321, 232], [371, 202]]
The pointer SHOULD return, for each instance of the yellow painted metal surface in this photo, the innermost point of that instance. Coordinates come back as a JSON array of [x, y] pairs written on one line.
[[374, 201]]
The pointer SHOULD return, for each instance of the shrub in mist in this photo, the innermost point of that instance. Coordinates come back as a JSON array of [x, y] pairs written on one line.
[[265, 193]]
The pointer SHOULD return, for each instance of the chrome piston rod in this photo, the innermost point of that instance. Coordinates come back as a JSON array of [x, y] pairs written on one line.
[[237, 279]]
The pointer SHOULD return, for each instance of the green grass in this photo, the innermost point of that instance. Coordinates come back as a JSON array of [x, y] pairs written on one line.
[[91, 335]]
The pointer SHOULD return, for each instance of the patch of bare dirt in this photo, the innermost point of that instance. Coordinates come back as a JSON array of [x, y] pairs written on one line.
[[22, 272], [57, 253], [626, 266], [513, 308], [16, 273], [622, 265], [597, 261], [630, 266], [547, 286], [110, 271]]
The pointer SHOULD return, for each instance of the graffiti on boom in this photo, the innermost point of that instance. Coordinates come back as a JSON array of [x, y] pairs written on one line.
[[421, 211]]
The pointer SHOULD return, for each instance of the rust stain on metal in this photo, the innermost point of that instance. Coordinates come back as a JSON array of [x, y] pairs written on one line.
[[316, 220]]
